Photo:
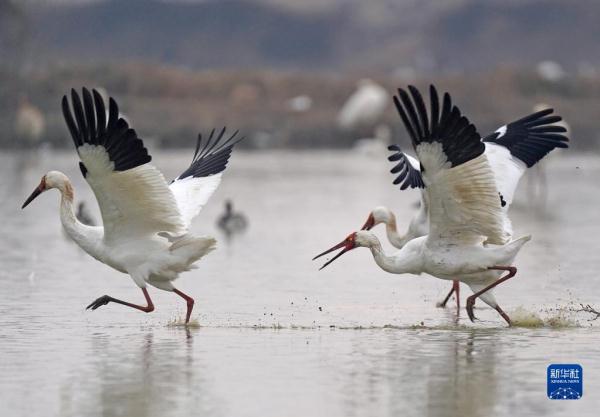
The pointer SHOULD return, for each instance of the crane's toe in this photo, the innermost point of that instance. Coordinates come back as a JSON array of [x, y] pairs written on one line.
[[105, 299], [470, 305]]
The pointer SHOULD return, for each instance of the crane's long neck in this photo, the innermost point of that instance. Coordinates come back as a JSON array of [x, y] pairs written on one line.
[[82, 235], [405, 261], [395, 238]]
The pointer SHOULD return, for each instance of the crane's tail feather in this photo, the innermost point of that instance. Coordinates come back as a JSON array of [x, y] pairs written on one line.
[[190, 249]]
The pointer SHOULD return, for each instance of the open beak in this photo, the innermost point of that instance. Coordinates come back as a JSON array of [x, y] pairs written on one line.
[[33, 195], [369, 223], [345, 244]]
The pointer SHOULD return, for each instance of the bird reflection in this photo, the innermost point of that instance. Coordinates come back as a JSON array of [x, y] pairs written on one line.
[[430, 372], [462, 380], [142, 373]]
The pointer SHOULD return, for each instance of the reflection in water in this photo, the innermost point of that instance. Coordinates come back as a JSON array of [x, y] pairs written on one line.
[[462, 377], [437, 373], [140, 374]]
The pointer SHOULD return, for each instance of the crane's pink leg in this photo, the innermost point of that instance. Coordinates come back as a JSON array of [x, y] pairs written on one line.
[[455, 288], [105, 299], [190, 303], [471, 299]]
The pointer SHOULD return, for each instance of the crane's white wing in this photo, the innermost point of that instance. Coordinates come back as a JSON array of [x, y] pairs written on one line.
[[464, 205], [507, 170], [195, 185], [133, 196]]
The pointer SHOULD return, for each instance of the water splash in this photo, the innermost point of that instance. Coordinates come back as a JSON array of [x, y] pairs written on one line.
[[521, 317], [180, 322], [558, 318]]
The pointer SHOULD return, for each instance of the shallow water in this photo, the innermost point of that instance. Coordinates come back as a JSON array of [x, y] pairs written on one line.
[[273, 336]]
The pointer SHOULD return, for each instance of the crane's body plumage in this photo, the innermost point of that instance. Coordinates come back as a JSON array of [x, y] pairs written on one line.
[[150, 260], [468, 262]]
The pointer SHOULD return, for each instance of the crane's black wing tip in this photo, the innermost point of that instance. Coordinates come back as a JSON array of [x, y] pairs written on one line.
[[458, 136], [211, 155], [125, 149], [532, 137], [407, 176]]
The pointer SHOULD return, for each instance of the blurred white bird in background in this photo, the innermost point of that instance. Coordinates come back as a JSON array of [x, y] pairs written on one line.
[[299, 104], [30, 123], [365, 107], [146, 221]]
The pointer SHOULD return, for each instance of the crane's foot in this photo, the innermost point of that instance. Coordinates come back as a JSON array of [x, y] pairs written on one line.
[[504, 315], [454, 290], [442, 304], [99, 302], [105, 299], [470, 305], [190, 304], [511, 271]]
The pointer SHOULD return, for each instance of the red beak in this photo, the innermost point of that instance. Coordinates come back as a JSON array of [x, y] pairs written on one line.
[[39, 189], [347, 244], [369, 223]]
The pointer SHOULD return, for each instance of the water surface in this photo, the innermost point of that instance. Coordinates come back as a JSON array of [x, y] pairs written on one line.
[[277, 337]]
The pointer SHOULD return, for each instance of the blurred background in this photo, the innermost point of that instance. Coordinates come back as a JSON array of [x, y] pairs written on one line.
[[281, 71]]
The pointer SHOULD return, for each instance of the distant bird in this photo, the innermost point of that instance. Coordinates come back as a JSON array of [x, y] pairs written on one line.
[[83, 215], [510, 150], [299, 104], [468, 238], [145, 220], [364, 107], [230, 222], [550, 71], [30, 123]]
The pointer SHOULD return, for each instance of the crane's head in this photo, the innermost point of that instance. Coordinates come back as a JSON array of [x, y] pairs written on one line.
[[354, 240], [53, 179], [377, 216]]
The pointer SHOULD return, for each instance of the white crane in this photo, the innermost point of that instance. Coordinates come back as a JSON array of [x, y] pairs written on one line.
[[364, 107], [30, 122], [468, 237], [145, 220], [510, 150]]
